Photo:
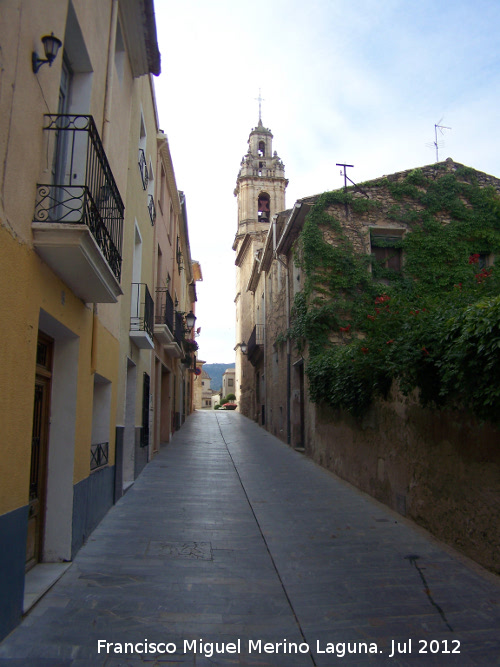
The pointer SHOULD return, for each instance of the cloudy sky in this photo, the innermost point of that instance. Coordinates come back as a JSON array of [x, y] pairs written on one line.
[[362, 83]]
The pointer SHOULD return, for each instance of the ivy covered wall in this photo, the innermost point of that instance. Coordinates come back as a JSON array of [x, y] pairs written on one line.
[[398, 324], [432, 323]]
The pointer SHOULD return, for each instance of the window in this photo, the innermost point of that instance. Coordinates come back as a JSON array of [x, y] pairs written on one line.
[[481, 259], [385, 246], [163, 187], [170, 221], [230, 382], [262, 149], [143, 166], [119, 53]]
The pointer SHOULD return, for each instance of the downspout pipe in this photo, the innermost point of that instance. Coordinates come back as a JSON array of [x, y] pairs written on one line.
[[288, 354], [109, 74]]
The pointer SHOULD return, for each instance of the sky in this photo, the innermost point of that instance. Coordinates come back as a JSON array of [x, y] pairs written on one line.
[[362, 83]]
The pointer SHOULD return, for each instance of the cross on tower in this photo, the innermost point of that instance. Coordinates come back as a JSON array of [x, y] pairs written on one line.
[[260, 99]]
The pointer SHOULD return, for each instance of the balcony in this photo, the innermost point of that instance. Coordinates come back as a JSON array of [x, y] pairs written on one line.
[[143, 168], [152, 209], [174, 348], [164, 317], [142, 316], [78, 221], [256, 345]]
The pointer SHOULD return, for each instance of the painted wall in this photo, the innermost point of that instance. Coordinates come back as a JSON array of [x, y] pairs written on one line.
[[33, 297]]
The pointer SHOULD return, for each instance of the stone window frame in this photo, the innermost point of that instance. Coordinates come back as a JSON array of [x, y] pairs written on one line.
[[386, 238]]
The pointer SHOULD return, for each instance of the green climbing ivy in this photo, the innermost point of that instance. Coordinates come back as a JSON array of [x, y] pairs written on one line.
[[433, 326]]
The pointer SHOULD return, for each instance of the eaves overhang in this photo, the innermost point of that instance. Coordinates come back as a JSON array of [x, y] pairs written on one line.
[[245, 244], [139, 28], [197, 274], [184, 239], [254, 276], [166, 160], [293, 227], [268, 250]]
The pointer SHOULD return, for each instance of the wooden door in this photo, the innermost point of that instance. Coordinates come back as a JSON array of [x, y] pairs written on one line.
[[39, 446]]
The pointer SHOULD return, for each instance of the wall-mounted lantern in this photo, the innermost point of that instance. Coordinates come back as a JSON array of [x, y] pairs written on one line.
[[51, 46], [190, 320]]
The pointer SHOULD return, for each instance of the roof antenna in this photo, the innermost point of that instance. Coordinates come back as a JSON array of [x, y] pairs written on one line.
[[346, 178], [437, 145], [260, 99]]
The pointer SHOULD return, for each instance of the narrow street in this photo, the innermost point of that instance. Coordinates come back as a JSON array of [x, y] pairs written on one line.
[[233, 549]]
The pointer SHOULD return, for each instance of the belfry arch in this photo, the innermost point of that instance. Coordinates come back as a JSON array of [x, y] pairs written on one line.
[[264, 207]]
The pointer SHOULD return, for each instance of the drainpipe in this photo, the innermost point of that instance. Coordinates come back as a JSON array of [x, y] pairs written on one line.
[[105, 133], [288, 352], [109, 73]]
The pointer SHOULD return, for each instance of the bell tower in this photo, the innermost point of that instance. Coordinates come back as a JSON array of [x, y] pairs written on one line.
[[260, 192], [260, 185]]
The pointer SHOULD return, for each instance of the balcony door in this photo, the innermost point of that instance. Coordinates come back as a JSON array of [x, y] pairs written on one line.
[[39, 452], [60, 178], [59, 166]]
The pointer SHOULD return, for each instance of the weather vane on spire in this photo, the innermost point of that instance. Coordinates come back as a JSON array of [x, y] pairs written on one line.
[[260, 99]]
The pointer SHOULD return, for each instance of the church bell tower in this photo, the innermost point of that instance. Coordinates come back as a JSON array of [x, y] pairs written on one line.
[[260, 186], [260, 192]]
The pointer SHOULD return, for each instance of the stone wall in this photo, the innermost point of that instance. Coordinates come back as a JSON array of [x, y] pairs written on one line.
[[441, 469]]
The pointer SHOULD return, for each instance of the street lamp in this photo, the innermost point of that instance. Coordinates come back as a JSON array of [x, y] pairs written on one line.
[[243, 348], [190, 320], [51, 46]]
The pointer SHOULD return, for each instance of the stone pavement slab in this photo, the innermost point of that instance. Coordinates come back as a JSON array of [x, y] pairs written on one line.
[[233, 549]]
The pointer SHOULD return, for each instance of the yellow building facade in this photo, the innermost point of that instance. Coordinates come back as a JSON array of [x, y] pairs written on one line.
[[83, 178]]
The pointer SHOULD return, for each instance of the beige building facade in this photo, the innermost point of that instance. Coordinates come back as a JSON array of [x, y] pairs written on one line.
[[91, 226], [203, 392], [228, 382]]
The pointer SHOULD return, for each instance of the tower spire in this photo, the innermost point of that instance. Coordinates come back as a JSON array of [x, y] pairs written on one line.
[[260, 99]]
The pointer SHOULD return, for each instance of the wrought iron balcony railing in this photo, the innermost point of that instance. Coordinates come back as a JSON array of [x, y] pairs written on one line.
[[143, 168], [151, 209], [99, 455], [179, 327], [142, 309], [164, 313], [82, 189]]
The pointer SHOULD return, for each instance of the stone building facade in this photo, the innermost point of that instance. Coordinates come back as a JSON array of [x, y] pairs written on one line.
[[438, 467], [260, 192]]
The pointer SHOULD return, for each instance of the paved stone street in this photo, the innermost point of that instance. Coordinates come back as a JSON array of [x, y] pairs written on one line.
[[230, 537]]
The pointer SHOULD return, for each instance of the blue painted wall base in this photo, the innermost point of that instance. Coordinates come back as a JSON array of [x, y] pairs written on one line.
[[13, 531]]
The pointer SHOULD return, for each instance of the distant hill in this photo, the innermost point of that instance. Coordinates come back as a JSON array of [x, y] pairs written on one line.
[[216, 371]]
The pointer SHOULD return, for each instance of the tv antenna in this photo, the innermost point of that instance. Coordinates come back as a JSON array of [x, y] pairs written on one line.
[[438, 144], [346, 178]]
